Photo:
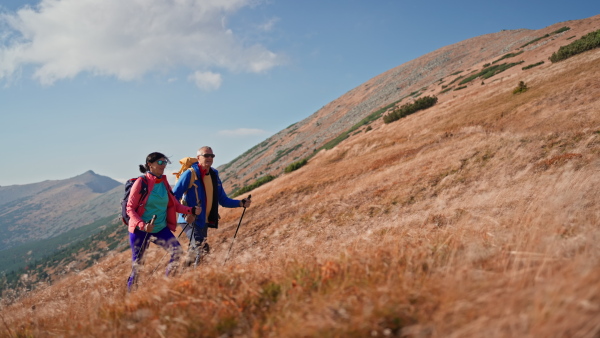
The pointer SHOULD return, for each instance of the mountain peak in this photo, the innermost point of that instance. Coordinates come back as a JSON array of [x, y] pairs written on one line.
[[98, 183]]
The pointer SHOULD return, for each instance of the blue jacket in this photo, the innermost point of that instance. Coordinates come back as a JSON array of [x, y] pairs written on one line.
[[219, 196]]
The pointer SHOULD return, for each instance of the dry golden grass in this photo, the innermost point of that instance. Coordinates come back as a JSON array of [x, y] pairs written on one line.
[[475, 218]]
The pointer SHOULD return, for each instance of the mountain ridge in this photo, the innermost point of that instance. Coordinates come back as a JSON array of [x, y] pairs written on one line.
[[301, 139], [42, 210]]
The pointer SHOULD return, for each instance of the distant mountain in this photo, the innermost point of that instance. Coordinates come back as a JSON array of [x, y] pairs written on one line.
[[46, 209], [435, 73]]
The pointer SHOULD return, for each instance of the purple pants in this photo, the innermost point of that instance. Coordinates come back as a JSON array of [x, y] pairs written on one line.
[[139, 241]]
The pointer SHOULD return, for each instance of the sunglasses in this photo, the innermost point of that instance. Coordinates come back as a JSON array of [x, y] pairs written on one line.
[[208, 155], [161, 162]]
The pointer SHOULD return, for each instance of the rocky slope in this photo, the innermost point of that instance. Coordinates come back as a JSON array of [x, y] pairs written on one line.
[[426, 75]]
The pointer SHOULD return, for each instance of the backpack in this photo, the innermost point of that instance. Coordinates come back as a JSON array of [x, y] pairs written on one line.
[[186, 164], [128, 185]]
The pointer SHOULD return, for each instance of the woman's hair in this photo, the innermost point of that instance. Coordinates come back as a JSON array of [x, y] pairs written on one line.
[[151, 158]]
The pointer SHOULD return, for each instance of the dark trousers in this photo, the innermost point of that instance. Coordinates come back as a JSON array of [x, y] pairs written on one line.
[[198, 236], [163, 238]]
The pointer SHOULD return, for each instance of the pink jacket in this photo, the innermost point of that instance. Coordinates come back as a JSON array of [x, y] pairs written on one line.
[[137, 207]]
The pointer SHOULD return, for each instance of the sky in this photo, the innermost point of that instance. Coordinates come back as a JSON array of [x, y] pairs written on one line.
[[99, 84]]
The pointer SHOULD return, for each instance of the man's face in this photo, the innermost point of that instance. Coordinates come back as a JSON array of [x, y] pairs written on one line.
[[205, 159]]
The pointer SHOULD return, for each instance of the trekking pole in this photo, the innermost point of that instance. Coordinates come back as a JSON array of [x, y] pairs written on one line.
[[137, 257], [236, 231], [192, 245]]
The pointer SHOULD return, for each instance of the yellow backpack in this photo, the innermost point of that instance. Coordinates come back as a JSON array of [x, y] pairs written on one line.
[[186, 164]]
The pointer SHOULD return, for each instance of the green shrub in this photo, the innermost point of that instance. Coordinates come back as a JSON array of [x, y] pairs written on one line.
[[366, 121], [535, 40], [587, 42], [264, 144], [282, 153], [458, 78], [533, 65], [256, 184], [407, 109], [506, 56], [521, 88], [486, 73], [560, 30], [295, 166], [459, 88]]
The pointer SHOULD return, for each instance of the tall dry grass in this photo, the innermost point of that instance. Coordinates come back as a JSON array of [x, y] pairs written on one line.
[[475, 218]]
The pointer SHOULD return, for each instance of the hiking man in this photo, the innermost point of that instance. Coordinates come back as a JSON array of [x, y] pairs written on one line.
[[202, 187]]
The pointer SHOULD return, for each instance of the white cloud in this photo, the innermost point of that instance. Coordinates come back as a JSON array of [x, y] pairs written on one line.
[[206, 80], [126, 39], [242, 132], [268, 26]]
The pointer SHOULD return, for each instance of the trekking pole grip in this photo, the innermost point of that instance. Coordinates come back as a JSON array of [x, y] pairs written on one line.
[[151, 223]]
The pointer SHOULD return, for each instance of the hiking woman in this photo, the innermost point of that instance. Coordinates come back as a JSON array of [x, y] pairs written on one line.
[[150, 196]]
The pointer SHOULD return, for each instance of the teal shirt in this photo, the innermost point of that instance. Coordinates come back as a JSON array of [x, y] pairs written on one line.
[[157, 205]]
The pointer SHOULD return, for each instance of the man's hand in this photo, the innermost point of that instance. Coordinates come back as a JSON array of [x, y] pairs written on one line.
[[246, 203], [190, 218]]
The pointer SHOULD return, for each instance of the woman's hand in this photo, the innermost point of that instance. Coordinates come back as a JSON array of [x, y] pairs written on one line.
[[147, 227]]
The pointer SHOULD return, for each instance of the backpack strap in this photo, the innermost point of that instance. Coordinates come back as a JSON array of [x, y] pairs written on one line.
[[193, 182], [144, 189]]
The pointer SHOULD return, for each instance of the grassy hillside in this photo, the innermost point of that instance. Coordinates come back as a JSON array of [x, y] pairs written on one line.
[[470, 63], [476, 217]]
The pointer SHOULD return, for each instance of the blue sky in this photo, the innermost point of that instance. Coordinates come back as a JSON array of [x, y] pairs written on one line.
[[99, 84]]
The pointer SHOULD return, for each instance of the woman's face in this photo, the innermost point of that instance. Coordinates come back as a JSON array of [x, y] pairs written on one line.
[[158, 167]]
